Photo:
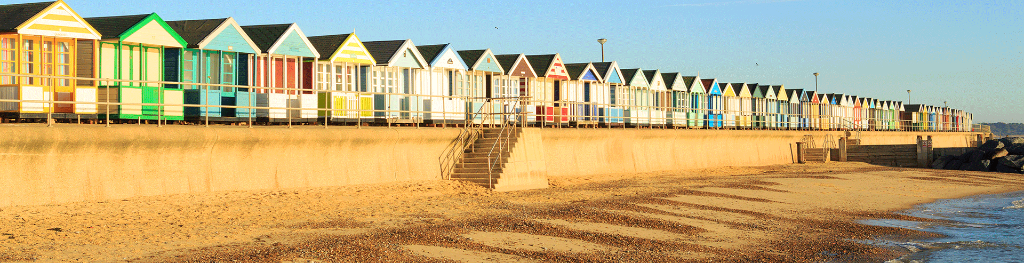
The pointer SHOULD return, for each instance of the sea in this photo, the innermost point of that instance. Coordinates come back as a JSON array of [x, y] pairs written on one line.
[[984, 228]]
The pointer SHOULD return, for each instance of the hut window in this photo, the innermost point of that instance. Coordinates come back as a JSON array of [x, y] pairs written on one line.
[[8, 55], [450, 61], [188, 68], [64, 63], [46, 65], [228, 70], [339, 78], [28, 60]]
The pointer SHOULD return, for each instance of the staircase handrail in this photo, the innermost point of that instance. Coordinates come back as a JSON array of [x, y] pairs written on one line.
[[501, 143], [457, 148]]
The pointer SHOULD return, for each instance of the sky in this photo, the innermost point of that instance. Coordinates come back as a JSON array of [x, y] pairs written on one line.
[[968, 54]]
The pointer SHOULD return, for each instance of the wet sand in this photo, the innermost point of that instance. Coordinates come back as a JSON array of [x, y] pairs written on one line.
[[790, 213]]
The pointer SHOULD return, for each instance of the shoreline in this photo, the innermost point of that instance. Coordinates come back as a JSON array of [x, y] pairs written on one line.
[[781, 213]]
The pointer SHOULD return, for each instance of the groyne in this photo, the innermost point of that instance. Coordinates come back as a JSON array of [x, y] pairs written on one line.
[[74, 163]]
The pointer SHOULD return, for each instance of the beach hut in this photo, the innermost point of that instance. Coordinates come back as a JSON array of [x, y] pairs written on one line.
[[917, 116], [341, 78], [900, 126], [51, 40], [219, 52], [730, 105], [584, 95], [747, 105], [550, 88], [714, 94], [810, 101], [518, 66], [796, 116], [781, 107], [656, 97], [395, 80], [675, 113], [856, 118], [636, 110], [697, 102], [610, 107], [133, 48], [771, 107], [278, 68], [487, 79], [445, 77], [760, 106]]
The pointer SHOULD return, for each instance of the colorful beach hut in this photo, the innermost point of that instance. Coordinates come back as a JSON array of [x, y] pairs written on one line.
[[518, 66], [781, 106], [395, 81], [218, 52], [133, 48], [551, 77], [278, 68], [446, 77], [585, 94], [796, 116], [487, 79], [656, 97], [730, 105], [636, 111], [714, 94], [50, 40], [675, 114], [698, 101], [610, 109], [341, 76]]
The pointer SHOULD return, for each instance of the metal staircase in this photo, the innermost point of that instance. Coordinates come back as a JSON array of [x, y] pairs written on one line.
[[480, 153]]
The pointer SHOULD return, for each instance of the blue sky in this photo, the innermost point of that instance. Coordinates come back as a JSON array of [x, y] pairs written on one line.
[[969, 53]]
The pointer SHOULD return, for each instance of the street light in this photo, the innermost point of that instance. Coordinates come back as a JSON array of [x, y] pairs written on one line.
[[815, 82], [908, 97], [602, 41]]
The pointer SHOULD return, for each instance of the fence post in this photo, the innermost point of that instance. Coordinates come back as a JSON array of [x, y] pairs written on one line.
[[801, 156], [924, 151], [842, 149]]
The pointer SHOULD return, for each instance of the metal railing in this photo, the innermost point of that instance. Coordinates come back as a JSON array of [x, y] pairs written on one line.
[[502, 142], [454, 108], [465, 141]]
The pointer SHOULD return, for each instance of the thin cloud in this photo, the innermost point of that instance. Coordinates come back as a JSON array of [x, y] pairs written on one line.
[[734, 3]]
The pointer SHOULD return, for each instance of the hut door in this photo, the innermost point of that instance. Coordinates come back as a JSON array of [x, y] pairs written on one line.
[[557, 92], [489, 86], [586, 92]]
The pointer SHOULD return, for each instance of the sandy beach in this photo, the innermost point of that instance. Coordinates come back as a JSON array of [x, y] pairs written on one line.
[[789, 213]]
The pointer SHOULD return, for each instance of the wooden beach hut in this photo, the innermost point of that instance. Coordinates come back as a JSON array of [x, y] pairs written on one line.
[[656, 97], [746, 95], [760, 107], [443, 79], [636, 110], [517, 66], [584, 93], [810, 101], [675, 115], [487, 79], [550, 87], [341, 78], [395, 81], [781, 107], [730, 105], [219, 52], [796, 116], [714, 94], [50, 40], [133, 48], [698, 99], [610, 110], [771, 107], [278, 68]]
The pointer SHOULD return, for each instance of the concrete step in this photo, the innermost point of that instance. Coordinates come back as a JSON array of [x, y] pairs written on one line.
[[481, 160], [484, 154], [480, 181], [475, 175], [497, 170]]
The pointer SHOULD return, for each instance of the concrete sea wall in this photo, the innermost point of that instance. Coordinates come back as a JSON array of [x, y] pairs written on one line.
[[73, 163]]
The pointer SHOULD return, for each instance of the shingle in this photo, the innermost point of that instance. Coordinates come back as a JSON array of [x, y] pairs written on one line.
[[670, 79], [265, 35], [707, 84], [602, 68], [737, 88], [195, 31], [650, 74], [629, 74], [506, 61], [430, 52], [113, 26], [471, 56], [541, 63], [327, 45], [12, 16], [575, 69], [383, 51], [688, 80]]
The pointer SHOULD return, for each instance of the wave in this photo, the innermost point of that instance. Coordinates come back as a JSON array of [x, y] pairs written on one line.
[[920, 251]]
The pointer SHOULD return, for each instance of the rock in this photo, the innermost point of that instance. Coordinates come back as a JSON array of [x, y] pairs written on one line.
[[997, 154], [942, 161], [1012, 140], [976, 156], [1006, 169], [1013, 161], [979, 166], [954, 164], [991, 145]]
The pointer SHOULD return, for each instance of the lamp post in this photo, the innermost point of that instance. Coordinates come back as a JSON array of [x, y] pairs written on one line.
[[815, 83], [602, 41], [908, 97]]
